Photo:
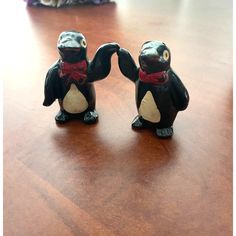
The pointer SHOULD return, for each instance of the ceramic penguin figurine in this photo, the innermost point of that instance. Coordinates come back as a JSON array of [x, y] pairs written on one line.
[[160, 94], [70, 79]]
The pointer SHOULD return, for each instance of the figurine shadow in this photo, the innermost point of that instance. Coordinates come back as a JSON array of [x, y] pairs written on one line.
[[157, 153], [143, 154], [98, 167], [77, 135]]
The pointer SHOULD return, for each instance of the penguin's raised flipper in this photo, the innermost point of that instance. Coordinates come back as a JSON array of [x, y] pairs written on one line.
[[179, 93], [100, 66], [52, 88], [127, 65]]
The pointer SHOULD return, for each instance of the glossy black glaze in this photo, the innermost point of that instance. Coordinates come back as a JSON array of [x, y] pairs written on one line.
[[72, 47], [170, 96]]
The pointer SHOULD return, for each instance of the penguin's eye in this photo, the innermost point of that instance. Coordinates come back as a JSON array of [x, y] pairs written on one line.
[[166, 55], [83, 43]]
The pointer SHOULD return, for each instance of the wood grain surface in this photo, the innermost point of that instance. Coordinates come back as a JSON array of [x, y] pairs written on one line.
[[107, 179]]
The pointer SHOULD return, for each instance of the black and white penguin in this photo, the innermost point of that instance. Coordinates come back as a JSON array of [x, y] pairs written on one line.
[[70, 79], [160, 94]]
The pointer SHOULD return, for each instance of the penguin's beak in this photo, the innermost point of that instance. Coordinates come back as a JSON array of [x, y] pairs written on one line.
[[147, 59], [150, 56], [68, 44], [71, 51], [150, 60]]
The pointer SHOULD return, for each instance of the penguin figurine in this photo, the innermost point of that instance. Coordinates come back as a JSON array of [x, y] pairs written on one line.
[[160, 94], [70, 79]]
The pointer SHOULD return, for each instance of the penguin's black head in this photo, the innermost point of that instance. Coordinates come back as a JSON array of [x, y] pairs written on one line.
[[72, 46], [154, 57]]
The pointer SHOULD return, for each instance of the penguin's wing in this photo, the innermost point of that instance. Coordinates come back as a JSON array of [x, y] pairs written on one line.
[[100, 66], [127, 65], [52, 89], [179, 93]]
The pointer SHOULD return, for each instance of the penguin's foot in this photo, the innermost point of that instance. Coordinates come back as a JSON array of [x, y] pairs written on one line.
[[165, 132], [62, 117], [90, 117], [138, 123]]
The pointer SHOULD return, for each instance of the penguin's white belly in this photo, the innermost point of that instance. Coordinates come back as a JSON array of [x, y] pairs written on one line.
[[74, 101], [148, 109]]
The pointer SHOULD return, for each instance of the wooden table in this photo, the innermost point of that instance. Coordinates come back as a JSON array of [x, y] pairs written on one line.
[[107, 179]]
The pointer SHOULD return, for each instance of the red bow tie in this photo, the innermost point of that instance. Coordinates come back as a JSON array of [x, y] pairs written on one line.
[[153, 78], [75, 71]]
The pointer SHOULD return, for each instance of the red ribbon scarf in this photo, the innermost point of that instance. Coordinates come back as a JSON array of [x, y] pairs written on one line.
[[75, 71], [153, 78]]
